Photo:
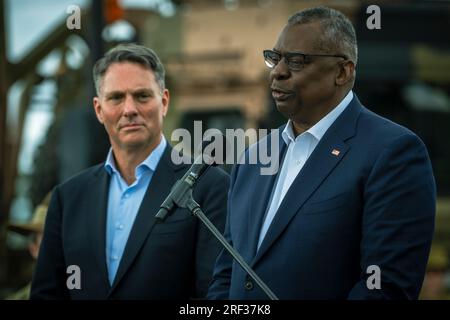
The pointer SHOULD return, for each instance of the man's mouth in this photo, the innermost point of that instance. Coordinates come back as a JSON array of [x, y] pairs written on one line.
[[280, 94], [130, 126]]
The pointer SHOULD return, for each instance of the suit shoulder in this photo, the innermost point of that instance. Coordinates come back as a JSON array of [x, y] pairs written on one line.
[[82, 177], [216, 175], [382, 129], [213, 181]]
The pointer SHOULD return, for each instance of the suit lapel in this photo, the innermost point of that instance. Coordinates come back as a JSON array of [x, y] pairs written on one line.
[[265, 185], [163, 178], [319, 165], [97, 204]]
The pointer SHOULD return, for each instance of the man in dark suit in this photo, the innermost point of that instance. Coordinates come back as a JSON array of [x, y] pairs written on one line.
[[101, 223], [350, 213]]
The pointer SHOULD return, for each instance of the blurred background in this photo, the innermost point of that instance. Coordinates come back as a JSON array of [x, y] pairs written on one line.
[[212, 51]]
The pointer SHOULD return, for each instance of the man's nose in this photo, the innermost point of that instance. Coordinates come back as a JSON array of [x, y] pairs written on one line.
[[280, 71], [130, 107]]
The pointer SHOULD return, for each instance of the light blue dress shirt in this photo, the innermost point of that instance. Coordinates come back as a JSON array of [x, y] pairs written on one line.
[[123, 204], [298, 152]]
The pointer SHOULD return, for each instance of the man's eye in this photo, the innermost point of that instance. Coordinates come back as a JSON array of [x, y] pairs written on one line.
[[143, 97], [296, 62], [115, 97], [275, 59]]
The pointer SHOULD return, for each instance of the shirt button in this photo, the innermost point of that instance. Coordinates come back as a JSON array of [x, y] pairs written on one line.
[[248, 285], [121, 227], [126, 195], [115, 258]]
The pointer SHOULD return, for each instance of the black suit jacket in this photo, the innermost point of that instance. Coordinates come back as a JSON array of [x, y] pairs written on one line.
[[170, 260]]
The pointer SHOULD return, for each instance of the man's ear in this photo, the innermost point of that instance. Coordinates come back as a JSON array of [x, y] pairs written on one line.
[[346, 72], [98, 109], [165, 101]]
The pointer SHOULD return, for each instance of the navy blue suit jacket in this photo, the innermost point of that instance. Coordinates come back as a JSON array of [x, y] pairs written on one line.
[[169, 260], [372, 204]]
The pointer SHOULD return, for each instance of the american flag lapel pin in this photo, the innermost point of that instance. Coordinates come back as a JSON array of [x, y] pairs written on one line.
[[335, 152]]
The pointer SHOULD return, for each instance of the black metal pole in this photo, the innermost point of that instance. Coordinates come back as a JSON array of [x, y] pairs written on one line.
[[96, 25], [181, 196], [4, 198], [195, 209], [4, 84]]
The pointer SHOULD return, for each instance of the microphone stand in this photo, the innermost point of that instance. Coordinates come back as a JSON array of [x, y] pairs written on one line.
[[181, 195]]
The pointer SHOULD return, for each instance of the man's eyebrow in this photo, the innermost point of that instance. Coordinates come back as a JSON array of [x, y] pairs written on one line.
[[277, 51], [114, 92], [120, 92], [141, 90]]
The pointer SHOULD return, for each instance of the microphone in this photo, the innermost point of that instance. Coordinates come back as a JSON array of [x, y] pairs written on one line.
[[182, 190], [181, 196]]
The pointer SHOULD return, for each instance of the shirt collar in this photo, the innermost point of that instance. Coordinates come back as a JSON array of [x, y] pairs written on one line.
[[150, 163], [319, 129]]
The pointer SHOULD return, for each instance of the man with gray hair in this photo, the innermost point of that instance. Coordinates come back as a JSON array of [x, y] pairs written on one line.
[[350, 214], [101, 239]]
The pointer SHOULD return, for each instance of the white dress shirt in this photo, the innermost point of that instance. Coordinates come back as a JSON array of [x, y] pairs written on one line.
[[298, 152]]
